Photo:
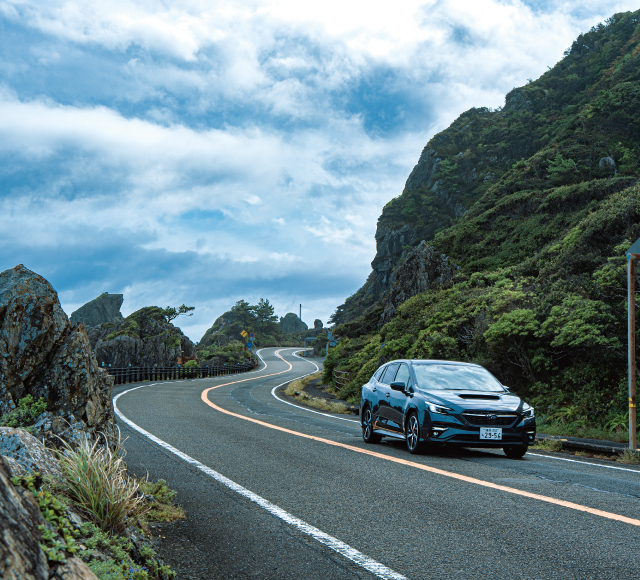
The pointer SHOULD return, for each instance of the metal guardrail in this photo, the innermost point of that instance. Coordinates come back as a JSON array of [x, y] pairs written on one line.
[[139, 374], [341, 378]]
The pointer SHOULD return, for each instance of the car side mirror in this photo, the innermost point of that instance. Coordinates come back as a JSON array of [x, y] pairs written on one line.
[[398, 386]]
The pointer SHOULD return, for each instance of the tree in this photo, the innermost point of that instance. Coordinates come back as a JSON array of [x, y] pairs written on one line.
[[170, 313], [243, 312], [264, 312]]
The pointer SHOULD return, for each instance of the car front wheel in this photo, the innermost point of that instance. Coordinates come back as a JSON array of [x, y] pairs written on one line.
[[515, 451], [413, 434], [367, 427]]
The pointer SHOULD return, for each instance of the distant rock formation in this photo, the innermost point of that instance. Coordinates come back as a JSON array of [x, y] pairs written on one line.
[[143, 338], [41, 354], [104, 308], [422, 269], [317, 324], [292, 323]]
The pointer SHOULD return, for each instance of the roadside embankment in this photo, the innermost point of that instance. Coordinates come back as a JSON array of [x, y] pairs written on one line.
[[310, 391]]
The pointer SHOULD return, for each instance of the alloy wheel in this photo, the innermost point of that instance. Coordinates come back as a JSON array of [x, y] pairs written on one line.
[[413, 433], [366, 424]]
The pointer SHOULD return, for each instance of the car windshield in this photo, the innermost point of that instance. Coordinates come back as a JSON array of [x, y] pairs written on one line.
[[455, 378]]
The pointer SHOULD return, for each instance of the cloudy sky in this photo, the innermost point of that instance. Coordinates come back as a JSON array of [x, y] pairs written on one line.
[[192, 152]]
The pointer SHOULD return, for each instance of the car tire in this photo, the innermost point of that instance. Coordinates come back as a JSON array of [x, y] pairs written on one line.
[[367, 427], [412, 434], [515, 451]]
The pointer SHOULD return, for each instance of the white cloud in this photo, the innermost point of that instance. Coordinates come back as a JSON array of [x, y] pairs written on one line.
[[232, 119]]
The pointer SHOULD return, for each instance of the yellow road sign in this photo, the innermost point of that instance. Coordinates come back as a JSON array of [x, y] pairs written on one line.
[[244, 333]]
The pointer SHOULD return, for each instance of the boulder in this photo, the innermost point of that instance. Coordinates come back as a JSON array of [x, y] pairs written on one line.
[[292, 323], [41, 354], [423, 268], [317, 325], [104, 308], [21, 555], [608, 164], [24, 449]]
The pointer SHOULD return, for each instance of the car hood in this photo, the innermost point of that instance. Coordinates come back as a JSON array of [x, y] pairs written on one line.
[[462, 400]]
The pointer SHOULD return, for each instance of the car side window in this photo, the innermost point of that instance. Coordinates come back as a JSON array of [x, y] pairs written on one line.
[[390, 374], [404, 375], [378, 373]]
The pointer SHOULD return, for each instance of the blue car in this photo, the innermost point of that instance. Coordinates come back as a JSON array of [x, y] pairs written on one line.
[[439, 402]]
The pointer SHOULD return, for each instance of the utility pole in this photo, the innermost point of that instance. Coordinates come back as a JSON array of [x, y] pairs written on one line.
[[633, 255], [632, 353], [300, 313]]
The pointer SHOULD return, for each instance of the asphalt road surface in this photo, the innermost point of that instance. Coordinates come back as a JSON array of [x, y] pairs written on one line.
[[275, 491]]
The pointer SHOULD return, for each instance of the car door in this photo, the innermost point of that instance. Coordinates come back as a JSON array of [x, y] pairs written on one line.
[[398, 399], [384, 395]]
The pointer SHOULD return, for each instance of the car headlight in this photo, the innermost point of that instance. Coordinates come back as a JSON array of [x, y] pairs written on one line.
[[528, 412], [439, 409]]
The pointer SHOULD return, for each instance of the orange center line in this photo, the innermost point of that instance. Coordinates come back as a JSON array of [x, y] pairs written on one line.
[[400, 461]]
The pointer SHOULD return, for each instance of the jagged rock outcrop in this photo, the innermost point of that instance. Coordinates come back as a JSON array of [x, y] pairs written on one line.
[[144, 338], [425, 170], [292, 323], [423, 268], [390, 244], [21, 553], [104, 308], [41, 354], [317, 325]]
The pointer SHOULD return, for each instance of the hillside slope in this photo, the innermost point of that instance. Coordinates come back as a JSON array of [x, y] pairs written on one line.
[[531, 207]]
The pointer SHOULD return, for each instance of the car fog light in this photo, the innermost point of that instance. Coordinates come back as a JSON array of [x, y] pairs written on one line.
[[437, 431]]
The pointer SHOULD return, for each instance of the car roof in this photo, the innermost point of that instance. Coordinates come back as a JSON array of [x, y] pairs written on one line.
[[433, 362]]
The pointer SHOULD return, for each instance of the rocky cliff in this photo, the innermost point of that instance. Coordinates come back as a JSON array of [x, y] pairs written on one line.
[[42, 355], [536, 202], [576, 124], [143, 338], [422, 269], [104, 308]]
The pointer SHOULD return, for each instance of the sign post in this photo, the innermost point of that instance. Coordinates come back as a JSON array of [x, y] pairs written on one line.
[[633, 255]]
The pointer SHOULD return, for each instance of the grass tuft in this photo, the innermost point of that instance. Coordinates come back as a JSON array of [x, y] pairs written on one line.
[[629, 457], [163, 508], [98, 485]]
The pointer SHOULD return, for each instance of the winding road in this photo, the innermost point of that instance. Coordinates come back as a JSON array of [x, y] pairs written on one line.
[[277, 491]]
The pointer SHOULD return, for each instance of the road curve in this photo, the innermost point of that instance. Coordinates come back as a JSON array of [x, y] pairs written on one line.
[[274, 491]]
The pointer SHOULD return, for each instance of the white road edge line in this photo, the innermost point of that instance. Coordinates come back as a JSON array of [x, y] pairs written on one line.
[[376, 568], [273, 393], [584, 462]]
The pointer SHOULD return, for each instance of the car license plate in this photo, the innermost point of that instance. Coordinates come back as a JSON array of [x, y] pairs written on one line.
[[491, 433]]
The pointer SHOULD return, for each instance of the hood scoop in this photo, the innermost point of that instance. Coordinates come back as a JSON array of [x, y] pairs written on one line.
[[483, 397]]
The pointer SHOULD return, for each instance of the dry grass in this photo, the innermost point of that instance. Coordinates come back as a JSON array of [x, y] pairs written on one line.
[[629, 457], [547, 445], [295, 389]]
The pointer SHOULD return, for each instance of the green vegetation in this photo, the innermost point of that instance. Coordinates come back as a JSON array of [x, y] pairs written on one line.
[[25, 415], [540, 296], [151, 321], [107, 553], [163, 508], [170, 313], [224, 341]]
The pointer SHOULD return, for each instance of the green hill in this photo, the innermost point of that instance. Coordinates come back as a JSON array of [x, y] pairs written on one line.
[[528, 210], [224, 341]]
